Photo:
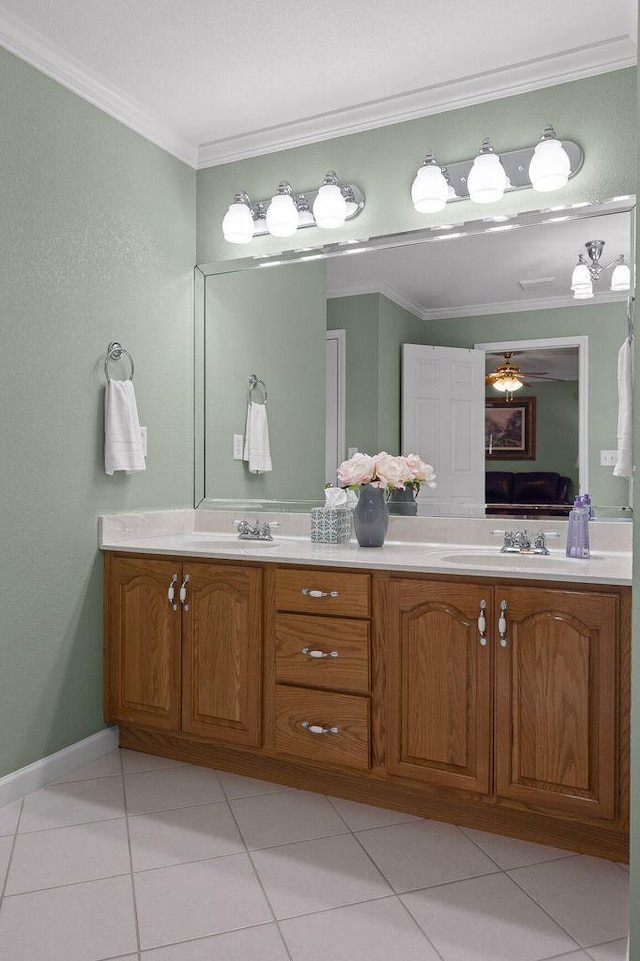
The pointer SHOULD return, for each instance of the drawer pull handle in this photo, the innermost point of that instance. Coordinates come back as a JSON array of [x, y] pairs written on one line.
[[171, 593], [309, 593], [502, 624], [307, 650], [482, 624], [318, 729]]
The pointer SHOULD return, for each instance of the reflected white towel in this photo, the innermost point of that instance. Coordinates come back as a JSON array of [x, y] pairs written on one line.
[[122, 436], [624, 462], [256, 439]]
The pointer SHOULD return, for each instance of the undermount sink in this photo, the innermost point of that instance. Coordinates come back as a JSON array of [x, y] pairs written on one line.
[[512, 561]]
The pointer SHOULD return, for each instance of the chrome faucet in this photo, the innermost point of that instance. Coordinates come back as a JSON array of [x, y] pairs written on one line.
[[255, 532], [522, 541], [540, 543], [519, 542]]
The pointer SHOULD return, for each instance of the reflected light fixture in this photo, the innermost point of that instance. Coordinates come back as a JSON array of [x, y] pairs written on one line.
[[586, 273], [550, 165], [505, 378]]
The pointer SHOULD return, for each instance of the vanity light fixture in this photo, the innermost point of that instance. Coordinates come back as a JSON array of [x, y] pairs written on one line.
[[327, 206], [586, 272], [545, 166]]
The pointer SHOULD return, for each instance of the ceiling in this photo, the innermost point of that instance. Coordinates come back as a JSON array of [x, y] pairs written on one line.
[[481, 273], [216, 80]]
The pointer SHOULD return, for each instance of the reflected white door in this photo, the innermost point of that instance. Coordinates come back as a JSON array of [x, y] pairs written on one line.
[[335, 403], [443, 421]]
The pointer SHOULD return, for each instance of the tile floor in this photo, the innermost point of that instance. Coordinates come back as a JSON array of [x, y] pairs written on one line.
[[139, 858]]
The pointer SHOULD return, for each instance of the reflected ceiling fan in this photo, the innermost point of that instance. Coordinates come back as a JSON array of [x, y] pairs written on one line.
[[509, 377]]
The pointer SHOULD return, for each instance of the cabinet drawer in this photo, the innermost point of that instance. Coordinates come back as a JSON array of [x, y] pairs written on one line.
[[347, 746], [345, 594], [344, 643]]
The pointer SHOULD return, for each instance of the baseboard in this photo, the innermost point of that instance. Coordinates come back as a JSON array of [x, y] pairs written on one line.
[[36, 775]]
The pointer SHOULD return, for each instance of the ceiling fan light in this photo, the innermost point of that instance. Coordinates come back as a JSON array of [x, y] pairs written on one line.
[[508, 385], [580, 277], [430, 189], [550, 165], [237, 224], [282, 215], [621, 278], [487, 178], [330, 207]]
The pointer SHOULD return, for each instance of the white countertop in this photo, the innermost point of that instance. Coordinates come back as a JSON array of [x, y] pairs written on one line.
[[172, 533]]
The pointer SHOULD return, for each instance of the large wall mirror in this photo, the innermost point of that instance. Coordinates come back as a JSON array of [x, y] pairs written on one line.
[[387, 344]]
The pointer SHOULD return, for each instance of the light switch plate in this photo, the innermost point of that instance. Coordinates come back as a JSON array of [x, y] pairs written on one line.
[[237, 446], [608, 458]]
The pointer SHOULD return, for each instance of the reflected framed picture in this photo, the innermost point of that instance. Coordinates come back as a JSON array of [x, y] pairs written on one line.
[[510, 429]]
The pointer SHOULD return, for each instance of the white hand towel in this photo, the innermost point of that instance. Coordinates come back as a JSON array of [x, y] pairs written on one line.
[[122, 434], [624, 462], [256, 439]]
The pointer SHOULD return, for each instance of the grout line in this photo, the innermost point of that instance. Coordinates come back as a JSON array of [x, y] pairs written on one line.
[[543, 909], [13, 847], [133, 886], [76, 824], [200, 937], [67, 884], [565, 857], [604, 944]]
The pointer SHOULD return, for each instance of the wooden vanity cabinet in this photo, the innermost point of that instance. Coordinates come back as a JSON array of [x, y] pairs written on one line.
[[192, 665]]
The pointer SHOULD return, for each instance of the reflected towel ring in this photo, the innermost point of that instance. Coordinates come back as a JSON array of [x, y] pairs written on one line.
[[260, 384], [115, 352]]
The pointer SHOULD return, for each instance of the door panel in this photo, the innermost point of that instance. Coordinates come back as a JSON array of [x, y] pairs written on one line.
[[439, 707], [222, 645]]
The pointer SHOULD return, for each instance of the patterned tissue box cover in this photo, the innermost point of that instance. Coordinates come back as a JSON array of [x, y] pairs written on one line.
[[331, 525]]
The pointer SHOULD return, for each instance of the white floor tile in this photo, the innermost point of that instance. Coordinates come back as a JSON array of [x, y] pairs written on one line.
[[195, 900], [134, 761], [486, 919], [314, 875], [9, 814], [262, 943], [513, 853], [5, 853], [59, 805], [373, 931], [587, 896], [106, 766], [85, 852], [237, 785], [187, 834], [80, 922], [613, 951], [360, 817], [165, 790], [285, 817], [424, 853]]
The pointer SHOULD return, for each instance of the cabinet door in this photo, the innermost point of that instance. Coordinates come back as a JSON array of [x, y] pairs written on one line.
[[222, 647], [439, 691], [556, 708], [142, 643]]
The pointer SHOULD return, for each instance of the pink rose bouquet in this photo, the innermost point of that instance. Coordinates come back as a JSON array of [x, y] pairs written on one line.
[[385, 470]]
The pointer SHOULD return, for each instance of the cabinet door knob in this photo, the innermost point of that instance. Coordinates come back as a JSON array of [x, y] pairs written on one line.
[[171, 592], [318, 729], [482, 623], [309, 593], [183, 594], [307, 650], [502, 624]]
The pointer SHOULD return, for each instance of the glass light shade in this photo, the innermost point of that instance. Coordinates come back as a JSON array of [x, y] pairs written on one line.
[[305, 218], [282, 216], [508, 384], [329, 207], [583, 293], [580, 277], [550, 166], [430, 190], [487, 179], [621, 278], [237, 225]]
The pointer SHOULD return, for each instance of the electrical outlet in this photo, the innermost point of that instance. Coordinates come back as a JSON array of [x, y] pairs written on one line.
[[608, 458], [238, 441]]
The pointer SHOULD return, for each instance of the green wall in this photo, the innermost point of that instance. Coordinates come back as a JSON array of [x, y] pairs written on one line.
[[97, 243], [597, 112], [556, 430], [271, 323], [606, 327], [376, 328]]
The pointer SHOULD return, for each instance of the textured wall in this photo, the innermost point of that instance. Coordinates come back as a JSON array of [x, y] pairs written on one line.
[[597, 112], [96, 243]]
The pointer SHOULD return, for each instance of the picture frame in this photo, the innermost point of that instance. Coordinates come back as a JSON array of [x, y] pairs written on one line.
[[510, 429]]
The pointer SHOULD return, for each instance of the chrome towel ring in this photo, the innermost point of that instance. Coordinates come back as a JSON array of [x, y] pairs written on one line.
[[254, 384], [115, 352]]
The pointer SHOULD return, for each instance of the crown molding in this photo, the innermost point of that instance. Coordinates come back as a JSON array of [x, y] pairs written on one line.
[[472, 310], [52, 60], [612, 53]]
